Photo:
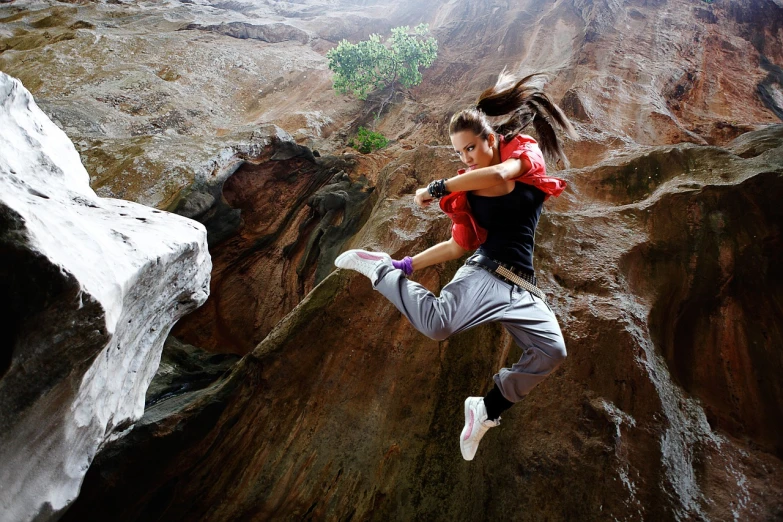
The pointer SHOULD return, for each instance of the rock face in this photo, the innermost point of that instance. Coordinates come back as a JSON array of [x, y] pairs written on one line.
[[660, 258], [185, 369], [294, 213], [152, 107], [344, 411], [272, 33], [91, 288]]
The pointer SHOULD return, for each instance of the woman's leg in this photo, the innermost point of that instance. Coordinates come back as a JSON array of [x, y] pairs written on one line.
[[495, 403], [473, 297], [535, 329]]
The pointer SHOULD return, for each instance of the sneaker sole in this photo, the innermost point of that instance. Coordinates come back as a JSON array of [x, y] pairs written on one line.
[[464, 429], [344, 255]]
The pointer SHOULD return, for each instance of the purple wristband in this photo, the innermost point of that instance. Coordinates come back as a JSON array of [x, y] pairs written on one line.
[[406, 265]]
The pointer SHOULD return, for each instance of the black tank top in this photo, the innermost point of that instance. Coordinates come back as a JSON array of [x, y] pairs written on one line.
[[510, 222]]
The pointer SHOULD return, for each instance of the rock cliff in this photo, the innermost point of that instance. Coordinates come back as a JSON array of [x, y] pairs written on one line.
[[660, 258]]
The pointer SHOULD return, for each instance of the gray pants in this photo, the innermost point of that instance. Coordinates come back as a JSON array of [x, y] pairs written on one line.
[[475, 297]]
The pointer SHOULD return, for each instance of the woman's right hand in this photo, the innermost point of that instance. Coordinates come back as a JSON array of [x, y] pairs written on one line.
[[422, 197]]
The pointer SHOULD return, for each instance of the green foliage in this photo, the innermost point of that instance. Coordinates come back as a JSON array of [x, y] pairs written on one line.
[[371, 64], [368, 141]]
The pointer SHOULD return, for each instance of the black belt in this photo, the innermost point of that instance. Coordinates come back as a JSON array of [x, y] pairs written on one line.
[[508, 274]]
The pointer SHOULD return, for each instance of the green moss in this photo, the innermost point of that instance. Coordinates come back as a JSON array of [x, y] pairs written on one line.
[[125, 169], [14, 17], [636, 180], [31, 80], [639, 178]]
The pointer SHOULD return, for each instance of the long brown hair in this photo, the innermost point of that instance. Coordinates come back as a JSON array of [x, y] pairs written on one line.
[[525, 102]]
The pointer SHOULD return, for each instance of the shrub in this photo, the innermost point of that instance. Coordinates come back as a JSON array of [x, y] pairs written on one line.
[[367, 141], [371, 64]]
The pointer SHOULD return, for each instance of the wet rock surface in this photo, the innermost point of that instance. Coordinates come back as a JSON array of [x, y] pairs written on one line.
[[717, 298], [184, 369]]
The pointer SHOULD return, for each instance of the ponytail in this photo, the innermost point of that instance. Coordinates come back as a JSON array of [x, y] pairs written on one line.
[[525, 102]]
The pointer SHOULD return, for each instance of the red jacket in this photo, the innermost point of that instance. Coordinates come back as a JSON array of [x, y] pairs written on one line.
[[464, 229]]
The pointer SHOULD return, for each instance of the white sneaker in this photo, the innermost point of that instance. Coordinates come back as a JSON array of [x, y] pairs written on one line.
[[476, 425], [363, 261]]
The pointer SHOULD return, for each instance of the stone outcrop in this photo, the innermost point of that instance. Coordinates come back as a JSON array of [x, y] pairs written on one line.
[[91, 287], [276, 225], [183, 371], [271, 33]]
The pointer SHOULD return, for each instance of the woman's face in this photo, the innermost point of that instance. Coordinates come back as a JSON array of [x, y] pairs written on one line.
[[473, 150]]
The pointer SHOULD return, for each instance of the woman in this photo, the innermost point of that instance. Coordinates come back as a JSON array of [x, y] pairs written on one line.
[[495, 204]]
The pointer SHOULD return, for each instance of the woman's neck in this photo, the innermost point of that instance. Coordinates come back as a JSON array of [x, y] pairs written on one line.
[[496, 151]]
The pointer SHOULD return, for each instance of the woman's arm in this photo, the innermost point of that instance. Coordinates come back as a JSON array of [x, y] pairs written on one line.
[[439, 253], [480, 178], [486, 177]]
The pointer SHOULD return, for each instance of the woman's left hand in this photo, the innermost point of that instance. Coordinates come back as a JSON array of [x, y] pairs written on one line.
[[422, 197]]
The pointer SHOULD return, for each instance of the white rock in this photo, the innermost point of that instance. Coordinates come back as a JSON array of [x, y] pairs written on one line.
[[93, 287]]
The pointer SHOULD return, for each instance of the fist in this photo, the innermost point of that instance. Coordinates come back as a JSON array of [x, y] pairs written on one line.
[[422, 197]]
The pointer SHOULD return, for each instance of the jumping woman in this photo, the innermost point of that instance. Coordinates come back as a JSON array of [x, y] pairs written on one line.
[[495, 204]]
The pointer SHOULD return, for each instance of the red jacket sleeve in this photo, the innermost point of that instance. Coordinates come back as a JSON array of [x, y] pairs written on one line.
[[525, 146]]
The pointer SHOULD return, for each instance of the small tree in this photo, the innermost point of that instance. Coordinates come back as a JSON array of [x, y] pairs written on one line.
[[371, 64]]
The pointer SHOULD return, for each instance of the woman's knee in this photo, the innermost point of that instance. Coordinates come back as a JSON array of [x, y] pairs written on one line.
[[438, 324], [439, 332], [558, 352]]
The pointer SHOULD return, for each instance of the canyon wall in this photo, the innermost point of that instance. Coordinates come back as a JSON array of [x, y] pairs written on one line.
[[660, 258]]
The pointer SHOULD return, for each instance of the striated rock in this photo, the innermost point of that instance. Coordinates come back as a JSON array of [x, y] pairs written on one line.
[[91, 288], [276, 223]]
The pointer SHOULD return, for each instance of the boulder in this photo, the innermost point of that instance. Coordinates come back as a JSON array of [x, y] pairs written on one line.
[[90, 289]]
